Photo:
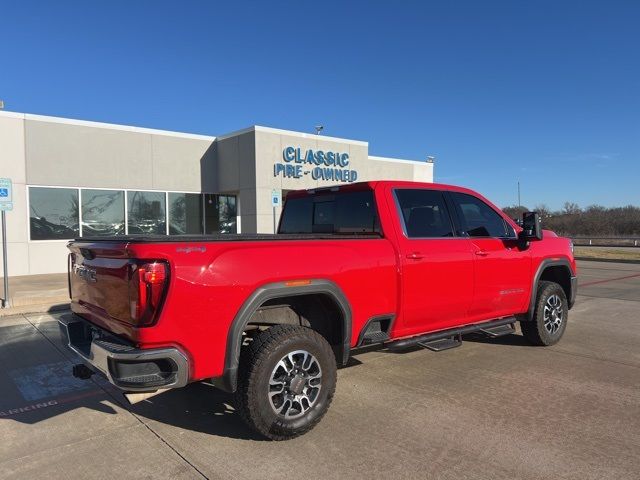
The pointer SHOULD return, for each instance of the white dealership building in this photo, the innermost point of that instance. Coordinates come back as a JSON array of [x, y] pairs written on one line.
[[75, 178]]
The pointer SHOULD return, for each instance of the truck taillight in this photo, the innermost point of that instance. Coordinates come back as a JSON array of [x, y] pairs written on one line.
[[154, 273], [148, 287]]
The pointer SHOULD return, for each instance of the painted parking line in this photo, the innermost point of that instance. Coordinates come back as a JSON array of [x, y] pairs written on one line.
[[598, 282], [48, 403], [46, 380]]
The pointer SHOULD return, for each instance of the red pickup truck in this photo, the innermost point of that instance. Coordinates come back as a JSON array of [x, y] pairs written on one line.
[[270, 317]]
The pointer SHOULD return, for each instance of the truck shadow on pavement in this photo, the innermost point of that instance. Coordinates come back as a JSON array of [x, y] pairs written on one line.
[[198, 407], [514, 339], [36, 384]]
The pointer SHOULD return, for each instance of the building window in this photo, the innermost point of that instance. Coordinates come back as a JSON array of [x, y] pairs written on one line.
[[227, 214], [102, 212], [146, 213], [185, 214], [220, 213], [53, 213]]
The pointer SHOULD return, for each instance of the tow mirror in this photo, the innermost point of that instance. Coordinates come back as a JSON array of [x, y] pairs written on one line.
[[531, 226]]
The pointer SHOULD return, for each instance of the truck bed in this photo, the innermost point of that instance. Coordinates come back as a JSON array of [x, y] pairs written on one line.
[[227, 237]]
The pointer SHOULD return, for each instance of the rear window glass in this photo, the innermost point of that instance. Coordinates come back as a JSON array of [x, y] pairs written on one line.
[[348, 212], [424, 213]]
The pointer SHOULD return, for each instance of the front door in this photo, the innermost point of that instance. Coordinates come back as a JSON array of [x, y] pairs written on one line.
[[436, 267], [502, 269]]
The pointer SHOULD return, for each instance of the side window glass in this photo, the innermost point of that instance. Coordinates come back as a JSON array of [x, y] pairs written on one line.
[[424, 213], [479, 219]]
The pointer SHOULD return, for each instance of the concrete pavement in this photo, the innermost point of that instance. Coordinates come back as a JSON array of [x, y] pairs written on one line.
[[490, 409], [36, 293]]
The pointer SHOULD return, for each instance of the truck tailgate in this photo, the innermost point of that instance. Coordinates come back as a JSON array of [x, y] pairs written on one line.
[[99, 274]]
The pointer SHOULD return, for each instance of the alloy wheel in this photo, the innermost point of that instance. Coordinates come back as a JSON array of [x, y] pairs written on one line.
[[553, 314], [295, 383]]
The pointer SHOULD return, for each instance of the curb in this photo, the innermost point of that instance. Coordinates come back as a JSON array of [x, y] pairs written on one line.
[[608, 260], [37, 308]]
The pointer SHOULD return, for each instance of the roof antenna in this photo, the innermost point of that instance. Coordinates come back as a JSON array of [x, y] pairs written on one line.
[[319, 128]]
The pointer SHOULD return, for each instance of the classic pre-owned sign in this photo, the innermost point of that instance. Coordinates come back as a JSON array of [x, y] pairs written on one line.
[[320, 164]]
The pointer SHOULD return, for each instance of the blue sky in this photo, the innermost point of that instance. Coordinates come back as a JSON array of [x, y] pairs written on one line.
[[545, 92]]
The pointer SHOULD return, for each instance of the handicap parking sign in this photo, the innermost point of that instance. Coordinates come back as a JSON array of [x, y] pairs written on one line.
[[5, 194], [276, 198]]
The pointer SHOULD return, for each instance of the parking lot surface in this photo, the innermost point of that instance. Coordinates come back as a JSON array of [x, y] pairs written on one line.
[[489, 409]]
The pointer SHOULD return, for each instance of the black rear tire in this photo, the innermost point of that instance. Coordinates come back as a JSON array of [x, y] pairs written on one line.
[[286, 381], [549, 317]]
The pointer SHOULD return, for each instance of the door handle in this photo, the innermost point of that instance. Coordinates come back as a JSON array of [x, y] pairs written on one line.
[[482, 253], [415, 256]]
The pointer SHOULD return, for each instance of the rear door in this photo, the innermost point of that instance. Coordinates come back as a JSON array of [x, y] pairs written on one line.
[[502, 269], [436, 266]]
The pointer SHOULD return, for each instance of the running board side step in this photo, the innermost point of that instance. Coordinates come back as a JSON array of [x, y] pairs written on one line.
[[452, 336], [499, 331], [442, 344]]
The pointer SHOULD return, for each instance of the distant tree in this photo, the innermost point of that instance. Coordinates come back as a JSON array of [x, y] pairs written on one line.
[[595, 208], [594, 220], [543, 210], [570, 208], [515, 211]]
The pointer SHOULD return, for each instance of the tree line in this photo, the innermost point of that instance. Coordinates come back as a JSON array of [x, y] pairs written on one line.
[[594, 220]]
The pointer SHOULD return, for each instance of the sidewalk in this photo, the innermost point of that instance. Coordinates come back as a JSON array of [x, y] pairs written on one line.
[[36, 293]]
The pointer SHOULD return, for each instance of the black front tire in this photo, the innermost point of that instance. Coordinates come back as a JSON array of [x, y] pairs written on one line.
[[258, 363], [549, 317]]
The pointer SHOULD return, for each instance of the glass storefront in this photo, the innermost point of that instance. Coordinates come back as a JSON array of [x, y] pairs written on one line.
[[102, 212], [220, 213], [227, 214], [146, 213], [185, 213], [53, 213], [66, 213]]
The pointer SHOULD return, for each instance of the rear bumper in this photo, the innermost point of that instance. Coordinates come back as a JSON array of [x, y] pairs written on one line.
[[128, 368], [574, 291]]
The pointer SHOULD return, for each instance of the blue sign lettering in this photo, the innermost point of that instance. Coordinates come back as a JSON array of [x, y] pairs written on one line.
[[288, 154], [335, 167]]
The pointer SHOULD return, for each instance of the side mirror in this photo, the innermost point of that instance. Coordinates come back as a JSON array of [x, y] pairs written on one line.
[[531, 226]]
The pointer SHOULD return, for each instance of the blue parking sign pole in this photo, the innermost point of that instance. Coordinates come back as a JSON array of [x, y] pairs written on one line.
[[276, 200], [5, 298], [6, 203]]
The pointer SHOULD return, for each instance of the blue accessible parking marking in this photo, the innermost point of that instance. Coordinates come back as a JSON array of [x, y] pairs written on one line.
[[47, 380]]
